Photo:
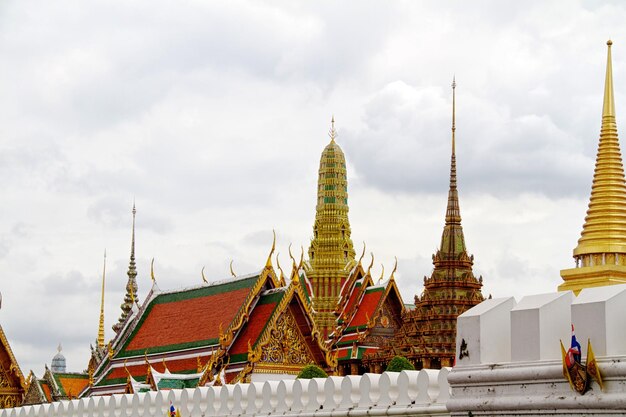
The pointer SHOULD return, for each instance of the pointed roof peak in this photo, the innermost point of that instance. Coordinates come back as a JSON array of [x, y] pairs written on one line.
[[131, 286], [453, 113], [453, 214], [608, 109], [604, 230], [332, 132], [101, 324]]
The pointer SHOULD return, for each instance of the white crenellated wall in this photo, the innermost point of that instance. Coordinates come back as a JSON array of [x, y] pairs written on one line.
[[406, 393], [513, 360]]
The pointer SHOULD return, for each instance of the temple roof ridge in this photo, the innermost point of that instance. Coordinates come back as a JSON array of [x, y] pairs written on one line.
[[213, 283]]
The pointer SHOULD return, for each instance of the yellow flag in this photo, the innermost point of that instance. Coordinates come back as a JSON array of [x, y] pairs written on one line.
[[592, 365], [565, 371]]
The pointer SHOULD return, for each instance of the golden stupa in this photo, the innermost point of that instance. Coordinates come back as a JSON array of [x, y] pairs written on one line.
[[601, 252]]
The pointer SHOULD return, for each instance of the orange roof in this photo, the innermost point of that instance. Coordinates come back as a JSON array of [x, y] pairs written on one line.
[[72, 384], [252, 330], [367, 306], [46, 390], [185, 317], [352, 300]]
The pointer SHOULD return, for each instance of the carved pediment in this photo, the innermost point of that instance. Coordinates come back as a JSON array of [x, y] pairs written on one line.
[[286, 346]]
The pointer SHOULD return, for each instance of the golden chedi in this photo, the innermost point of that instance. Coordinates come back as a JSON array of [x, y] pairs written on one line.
[[601, 252], [331, 254]]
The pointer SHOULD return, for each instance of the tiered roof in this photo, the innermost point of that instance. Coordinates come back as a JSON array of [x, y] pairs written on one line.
[[427, 335], [55, 386], [369, 313], [208, 334], [331, 253]]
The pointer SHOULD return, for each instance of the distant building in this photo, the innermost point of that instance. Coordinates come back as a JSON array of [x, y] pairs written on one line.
[[56, 384]]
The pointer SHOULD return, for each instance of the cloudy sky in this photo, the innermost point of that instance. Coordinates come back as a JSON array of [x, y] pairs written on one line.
[[213, 115]]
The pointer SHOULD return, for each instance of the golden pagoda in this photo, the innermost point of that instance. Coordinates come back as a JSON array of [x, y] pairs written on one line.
[[331, 254], [601, 252]]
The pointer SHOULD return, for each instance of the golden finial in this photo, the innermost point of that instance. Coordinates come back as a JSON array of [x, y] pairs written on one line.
[[301, 257], [203, 277], [293, 260], [101, 324], [282, 274], [152, 271], [199, 364], [369, 268], [110, 350], [362, 254], [395, 268], [268, 264], [231, 269], [165, 370], [382, 274], [145, 357], [332, 132]]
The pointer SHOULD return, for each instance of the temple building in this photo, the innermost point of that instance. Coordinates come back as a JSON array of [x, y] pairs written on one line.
[[601, 252], [329, 312], [247, 328], [353, 314], [331, 254], [12, 383], [370, 317], [427, 334]]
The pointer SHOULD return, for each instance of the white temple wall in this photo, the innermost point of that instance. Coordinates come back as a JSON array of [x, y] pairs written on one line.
[[531, 381], [407, 393]]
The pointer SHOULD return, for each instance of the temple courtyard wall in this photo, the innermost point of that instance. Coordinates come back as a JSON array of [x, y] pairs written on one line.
[[509, 363], [512, 361], [406, 393]]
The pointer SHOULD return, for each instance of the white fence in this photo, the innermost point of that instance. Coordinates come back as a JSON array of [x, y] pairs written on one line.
[[405, 393]]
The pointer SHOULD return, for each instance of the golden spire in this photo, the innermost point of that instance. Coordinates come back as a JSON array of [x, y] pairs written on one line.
[[453, 214], [131, 286], [331, 253], [601, 251], [604, 230], [101, 326]]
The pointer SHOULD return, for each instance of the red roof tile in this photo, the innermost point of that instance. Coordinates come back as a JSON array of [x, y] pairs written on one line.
[[187, 320], [352, 300], [72, 386], [46, 391], [252, 330], [367, 307]]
